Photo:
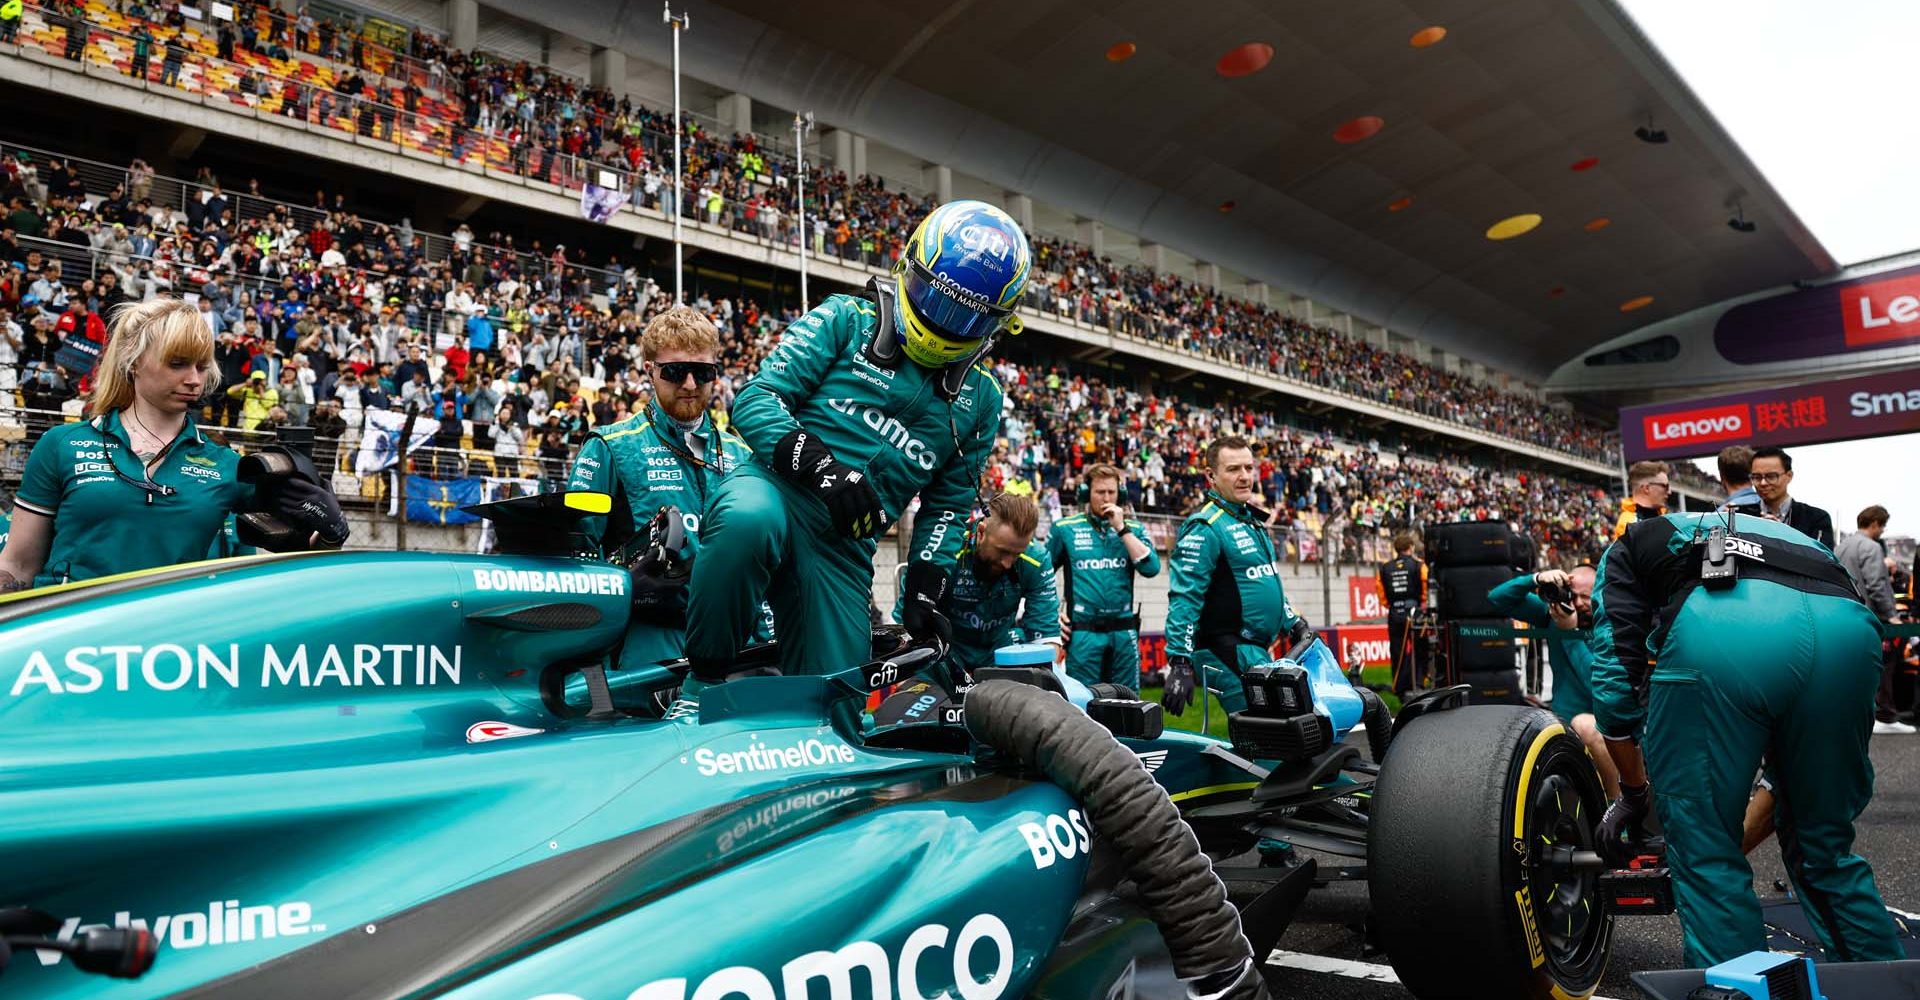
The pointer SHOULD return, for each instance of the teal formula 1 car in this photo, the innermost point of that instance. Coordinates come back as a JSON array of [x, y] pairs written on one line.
[[356, 775]]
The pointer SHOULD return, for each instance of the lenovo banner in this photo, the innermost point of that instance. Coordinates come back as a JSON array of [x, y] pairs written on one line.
[[1359, 645], [1840, 410], [1363, 599], [1860, 314]]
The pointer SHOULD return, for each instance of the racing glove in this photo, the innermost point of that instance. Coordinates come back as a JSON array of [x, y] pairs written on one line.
[[1623, 828], [856, 510], [310, 507], [925, 587], [1178, 693], [660, 571]]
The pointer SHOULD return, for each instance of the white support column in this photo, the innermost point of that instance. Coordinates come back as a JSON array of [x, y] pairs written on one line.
[[859, 157], [1257, 293], [1207, 273], [1021, 208], [608, 69], [842, 149], [1093, 234], [736, 110], [1304, 311], [463, 24], [1153, 255], [939, 177]]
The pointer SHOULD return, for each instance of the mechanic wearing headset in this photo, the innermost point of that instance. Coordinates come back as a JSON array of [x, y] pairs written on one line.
[[1763, 648], [136, 486], [1099, 552], [865, 403], [668, 454], [1520, 598], [1002, 591], [1225, 605]]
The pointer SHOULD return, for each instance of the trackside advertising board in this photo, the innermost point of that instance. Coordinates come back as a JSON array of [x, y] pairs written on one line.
[[1839, 410]]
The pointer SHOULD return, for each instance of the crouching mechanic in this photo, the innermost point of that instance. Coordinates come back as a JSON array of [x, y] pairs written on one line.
[[1002, 591], [1763, 648], [668, 454], [1568, 622], [866, 402], [1098, 553], [1225, 604]]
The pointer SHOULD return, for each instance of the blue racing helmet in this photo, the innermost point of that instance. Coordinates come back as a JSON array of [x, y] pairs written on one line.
[[958, 281]]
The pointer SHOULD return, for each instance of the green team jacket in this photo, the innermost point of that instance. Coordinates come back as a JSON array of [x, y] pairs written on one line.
[[1020, 606], [1516, 599], [646, 462], [6, 528], [890, 423], [1226, 580], [1098, 572]]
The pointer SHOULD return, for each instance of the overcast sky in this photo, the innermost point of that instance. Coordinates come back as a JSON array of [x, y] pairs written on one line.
[[1821, 96]]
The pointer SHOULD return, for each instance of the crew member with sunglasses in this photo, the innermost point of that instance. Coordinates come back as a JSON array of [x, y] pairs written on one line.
[[668, 454], [136, 485]]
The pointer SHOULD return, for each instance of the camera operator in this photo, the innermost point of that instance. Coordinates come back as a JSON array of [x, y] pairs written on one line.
[[1562, 601]]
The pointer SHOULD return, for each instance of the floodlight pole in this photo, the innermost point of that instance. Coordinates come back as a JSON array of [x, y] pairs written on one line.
[[802, 125], [679, 23]]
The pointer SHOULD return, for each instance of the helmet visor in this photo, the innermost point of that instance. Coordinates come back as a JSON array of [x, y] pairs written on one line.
[[941, 305]]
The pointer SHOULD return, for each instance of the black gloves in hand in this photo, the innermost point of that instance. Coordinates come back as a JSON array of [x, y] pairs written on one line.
[[312, 508], [802, 460], [1178, 693], [1626, 818], [925, 588], [660, 571]]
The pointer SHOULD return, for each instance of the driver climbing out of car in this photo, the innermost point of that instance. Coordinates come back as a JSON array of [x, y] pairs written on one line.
[[136, 485], [1764, 649], [668, 458], [1225, 604], [867, 401], [1003, 591]]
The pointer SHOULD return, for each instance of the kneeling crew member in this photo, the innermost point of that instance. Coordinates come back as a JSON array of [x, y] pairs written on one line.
[[1098, 553], [1002, 592], [1763, 648], [1572, 658], [1225, 605], [669, 454], [1403, 582]]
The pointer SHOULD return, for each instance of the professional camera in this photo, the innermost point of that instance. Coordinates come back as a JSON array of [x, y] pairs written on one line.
[[1555, 593]]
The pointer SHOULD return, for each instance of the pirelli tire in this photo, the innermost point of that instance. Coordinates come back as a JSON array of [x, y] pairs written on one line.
[[1464, 808]]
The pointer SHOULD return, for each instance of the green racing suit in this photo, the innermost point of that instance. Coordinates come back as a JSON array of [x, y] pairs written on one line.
[[1572, 658], [1778, 664], [1098, 573], [647, 462], [1021, 605], [766, 538], [1225, 604]]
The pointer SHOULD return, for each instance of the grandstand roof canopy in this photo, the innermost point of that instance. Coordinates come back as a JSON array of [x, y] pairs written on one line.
[[1488, 123]]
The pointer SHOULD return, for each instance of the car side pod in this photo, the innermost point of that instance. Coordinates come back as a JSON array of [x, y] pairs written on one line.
[[1129, 810]]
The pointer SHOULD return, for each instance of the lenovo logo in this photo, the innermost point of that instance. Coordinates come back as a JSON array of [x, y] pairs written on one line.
[[1881, 312], [1713, 423]]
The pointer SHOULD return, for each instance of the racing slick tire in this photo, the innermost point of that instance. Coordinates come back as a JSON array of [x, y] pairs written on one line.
[[1463, 817]]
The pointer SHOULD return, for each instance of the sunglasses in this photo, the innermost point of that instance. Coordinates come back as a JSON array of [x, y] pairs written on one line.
[[676, 372]]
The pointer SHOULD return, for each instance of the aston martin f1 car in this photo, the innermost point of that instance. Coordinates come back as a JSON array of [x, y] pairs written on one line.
[[357, 775]]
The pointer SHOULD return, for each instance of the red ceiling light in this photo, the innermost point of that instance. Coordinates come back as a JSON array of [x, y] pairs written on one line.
[[1363, 127], [1122, 51], [1556, 291], [1427, 38], [1246, 60], [1597, 223], [1400, 204], [1228, 206], [1582, 166]]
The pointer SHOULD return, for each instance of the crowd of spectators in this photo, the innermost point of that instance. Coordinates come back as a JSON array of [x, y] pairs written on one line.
[[553, 127]]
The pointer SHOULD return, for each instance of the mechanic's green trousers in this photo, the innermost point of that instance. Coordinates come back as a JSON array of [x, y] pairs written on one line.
[[1761, 669], [1105, 657], [760, 539], [1226, 680]]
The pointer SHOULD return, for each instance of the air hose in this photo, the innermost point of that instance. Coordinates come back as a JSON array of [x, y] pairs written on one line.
[[1177, 885], [1379, 723]]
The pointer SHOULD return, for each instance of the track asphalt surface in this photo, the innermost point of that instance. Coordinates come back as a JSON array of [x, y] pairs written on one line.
[[1321, 956]]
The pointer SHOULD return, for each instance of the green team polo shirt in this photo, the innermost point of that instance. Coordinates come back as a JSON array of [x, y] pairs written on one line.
[[84, 476]]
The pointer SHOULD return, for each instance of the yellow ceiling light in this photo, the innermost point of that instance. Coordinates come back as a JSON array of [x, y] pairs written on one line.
[[1636, 303], [1513, 225]]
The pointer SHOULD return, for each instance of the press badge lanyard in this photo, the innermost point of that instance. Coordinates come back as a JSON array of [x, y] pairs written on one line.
[[147, 485]]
